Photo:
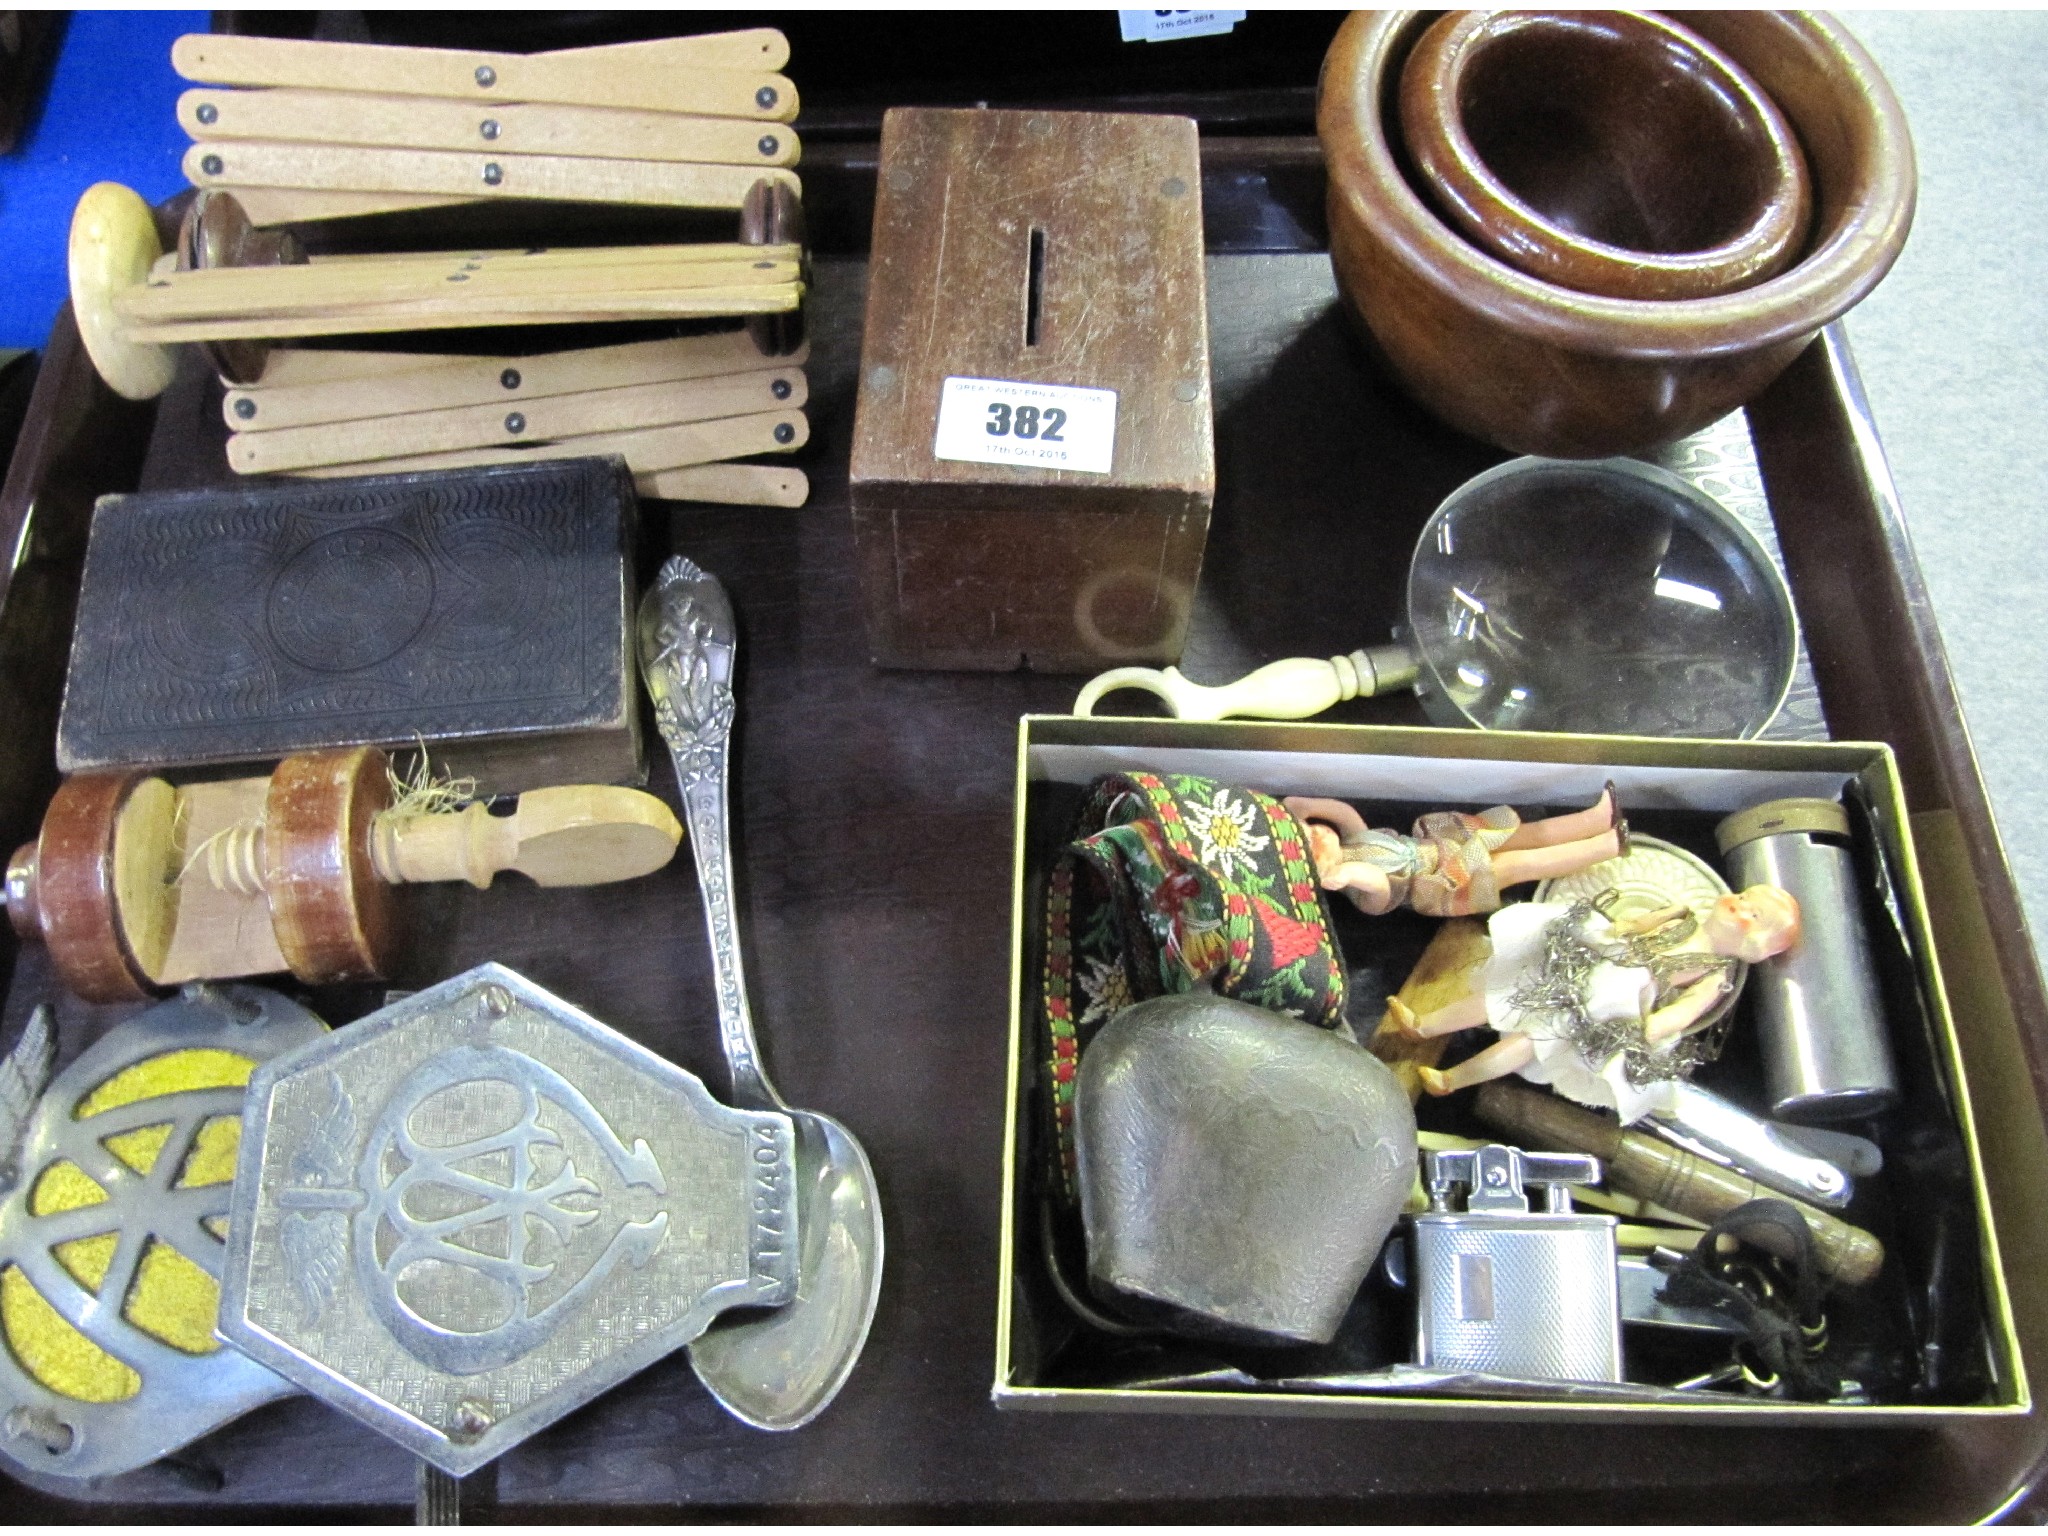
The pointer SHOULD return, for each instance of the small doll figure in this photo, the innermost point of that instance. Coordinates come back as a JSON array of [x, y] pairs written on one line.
[[1456, 864], [1604, 1010]]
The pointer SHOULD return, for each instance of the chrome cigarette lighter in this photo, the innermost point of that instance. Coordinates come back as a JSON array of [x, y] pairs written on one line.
[[1509, 1291]]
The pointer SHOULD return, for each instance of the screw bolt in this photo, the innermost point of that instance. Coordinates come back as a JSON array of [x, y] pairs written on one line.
[[42, 1426], [497, 1003], [493, 174], [779, 389], [515, 423], [486, 76], [245, 409], [488, 128], [765, 98], [509, 378], [212, 165], [768, 145], [208, 114], [784, 432]]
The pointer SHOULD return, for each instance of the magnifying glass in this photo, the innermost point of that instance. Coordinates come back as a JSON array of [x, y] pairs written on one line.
[[1605, 596]]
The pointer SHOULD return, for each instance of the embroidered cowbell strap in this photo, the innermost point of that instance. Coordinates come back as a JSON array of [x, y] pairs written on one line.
[[1172, 882]]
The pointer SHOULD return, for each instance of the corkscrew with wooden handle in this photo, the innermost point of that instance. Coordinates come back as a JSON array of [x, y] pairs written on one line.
[[135, 885]]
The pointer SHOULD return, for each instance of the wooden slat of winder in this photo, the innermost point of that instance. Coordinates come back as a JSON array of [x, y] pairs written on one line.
[[738, 485], [487, 426], [563, 255], [429, 383], [165, 269], [695, 304], [418, 122], [302, 367], [447, 173], [645, 450], [437, 265], [270, 206], [232, 292], [720, 75]]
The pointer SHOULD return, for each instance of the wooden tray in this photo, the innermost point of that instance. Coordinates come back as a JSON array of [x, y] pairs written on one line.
[[873, 817]]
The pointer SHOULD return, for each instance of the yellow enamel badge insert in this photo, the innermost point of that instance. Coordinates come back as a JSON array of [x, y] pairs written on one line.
[[111, 1230]]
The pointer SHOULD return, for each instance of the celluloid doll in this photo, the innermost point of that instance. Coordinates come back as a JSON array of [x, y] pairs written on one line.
[[1604, 1010], [1455, 864]]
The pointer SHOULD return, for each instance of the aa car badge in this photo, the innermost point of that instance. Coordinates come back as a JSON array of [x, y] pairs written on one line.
[[471, 1212], [112, 1231]]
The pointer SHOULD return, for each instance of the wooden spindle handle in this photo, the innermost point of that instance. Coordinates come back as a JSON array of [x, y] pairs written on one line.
[[570, 834]]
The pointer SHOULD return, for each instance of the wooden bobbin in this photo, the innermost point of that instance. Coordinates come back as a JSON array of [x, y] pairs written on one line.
[[334, 918], [773, 214], [217, 233], [98, 844]]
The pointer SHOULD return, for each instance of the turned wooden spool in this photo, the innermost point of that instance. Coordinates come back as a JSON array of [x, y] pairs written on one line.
[[99, 887], [135, 885]]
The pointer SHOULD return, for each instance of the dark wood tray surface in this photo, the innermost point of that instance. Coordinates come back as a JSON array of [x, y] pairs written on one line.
[[873, 816]]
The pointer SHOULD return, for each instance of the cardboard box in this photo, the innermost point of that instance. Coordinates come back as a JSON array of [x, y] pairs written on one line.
[[1674, 788]]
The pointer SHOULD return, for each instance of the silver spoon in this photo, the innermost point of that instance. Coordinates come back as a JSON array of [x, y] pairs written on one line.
[[777, 1370]]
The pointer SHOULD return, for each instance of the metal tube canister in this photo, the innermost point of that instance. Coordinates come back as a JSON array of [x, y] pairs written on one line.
[[1819, 1012]]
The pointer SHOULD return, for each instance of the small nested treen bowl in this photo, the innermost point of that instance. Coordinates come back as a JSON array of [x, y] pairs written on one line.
[[1543, 369], [1610, 152]]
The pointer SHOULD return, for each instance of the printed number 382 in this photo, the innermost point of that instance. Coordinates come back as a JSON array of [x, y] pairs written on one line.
[[1027, 421]]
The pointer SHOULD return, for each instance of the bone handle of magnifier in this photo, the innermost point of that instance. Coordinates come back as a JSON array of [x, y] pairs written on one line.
[[1291, 689]]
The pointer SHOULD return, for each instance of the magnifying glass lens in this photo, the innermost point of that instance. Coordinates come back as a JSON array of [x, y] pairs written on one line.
[[1605, 597]]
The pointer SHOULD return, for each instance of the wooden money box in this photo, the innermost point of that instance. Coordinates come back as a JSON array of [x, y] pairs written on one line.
[[1033, 460]]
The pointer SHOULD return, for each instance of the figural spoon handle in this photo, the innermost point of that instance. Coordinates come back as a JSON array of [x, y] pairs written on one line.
[[690, 677]]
